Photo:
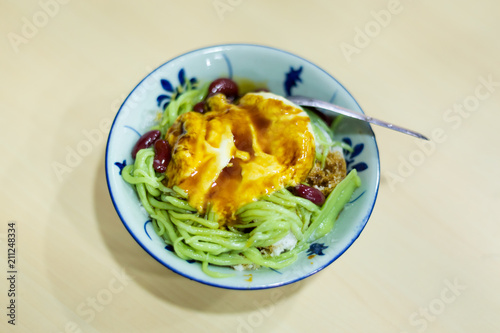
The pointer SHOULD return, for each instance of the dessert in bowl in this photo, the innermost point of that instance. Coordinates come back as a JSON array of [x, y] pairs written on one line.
[[223, 180]]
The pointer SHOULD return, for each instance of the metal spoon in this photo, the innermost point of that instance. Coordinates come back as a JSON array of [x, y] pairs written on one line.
[[315, 103]]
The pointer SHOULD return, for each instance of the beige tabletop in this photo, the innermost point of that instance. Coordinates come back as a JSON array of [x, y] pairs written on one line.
[[428, 259]]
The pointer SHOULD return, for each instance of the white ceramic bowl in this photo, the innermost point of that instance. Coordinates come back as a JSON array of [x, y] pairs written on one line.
[[284, 74]]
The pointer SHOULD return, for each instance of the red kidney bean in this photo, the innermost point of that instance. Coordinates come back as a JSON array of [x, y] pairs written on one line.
[[162, 156], [145, 141], [199, 107], [310, 193], [224, 86]]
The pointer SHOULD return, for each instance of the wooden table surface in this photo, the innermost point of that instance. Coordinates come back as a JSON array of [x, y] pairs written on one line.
[[428, 259]]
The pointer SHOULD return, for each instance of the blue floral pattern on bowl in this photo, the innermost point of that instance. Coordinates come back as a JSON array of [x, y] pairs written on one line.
[[292, 77], [173, 93], [316, 249], [350, 156]]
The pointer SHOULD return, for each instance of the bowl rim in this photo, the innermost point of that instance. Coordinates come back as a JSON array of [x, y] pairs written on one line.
[[221, 47]]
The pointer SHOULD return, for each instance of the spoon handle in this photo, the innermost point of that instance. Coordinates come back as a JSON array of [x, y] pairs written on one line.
[[310, 102]]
